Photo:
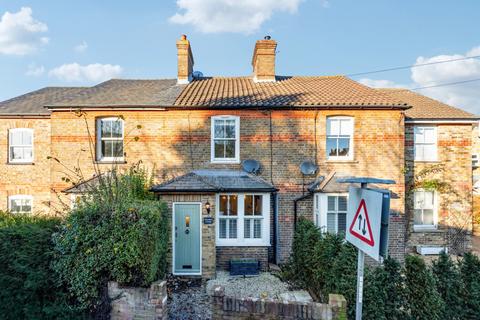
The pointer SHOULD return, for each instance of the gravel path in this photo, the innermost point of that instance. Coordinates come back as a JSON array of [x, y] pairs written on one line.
[[187, 299], [264, 286]]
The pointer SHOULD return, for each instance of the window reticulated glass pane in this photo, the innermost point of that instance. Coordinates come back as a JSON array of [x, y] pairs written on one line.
[[258, 205], [232, 226], [229, 149], [233, 207], [106, 128], [342, 222], [223, 228], [15, 205], [428, 217], [342, 203], [429, 152], [219, 148], [343, 147], [230, 129], [219, 129], [257, 228], [429, 135], [247, 228], [117, 129], [248, 205], [417, 217], [332, 203], [117, 148], [332, 147], [223, 207], [331, 220]]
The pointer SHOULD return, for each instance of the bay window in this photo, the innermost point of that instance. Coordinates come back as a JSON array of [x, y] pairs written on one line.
[[243, 219], [330, 212]]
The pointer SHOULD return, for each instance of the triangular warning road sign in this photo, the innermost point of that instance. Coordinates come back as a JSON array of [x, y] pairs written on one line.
[[360, 227]]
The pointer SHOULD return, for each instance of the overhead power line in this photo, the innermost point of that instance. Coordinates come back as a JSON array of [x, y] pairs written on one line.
[[412, 66], [446, 84]]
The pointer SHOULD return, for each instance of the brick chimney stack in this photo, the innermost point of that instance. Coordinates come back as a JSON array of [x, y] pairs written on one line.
[[185, 60], [263, 61]]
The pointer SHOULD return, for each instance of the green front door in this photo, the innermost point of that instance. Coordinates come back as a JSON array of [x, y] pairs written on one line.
[[187, 240]]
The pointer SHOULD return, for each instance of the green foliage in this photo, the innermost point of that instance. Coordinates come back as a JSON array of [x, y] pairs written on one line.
[[423, 300], [449, 286], [29, 287], [470, 274], [116, 233]]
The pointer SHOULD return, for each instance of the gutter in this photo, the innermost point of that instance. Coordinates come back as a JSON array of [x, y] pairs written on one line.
[[295, 201]]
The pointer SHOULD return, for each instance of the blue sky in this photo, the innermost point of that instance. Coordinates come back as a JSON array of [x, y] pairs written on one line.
[[72, 43]]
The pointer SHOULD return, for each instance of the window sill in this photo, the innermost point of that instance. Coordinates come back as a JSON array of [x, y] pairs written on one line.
[[225, 161], [110, 162], [426, 161], [342, 161], [21, 163], [427, 229], [236, 243]]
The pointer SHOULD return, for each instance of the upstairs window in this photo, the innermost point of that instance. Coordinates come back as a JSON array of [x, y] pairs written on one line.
[[20, 145], [425, 143], [425, 210], [110, 139], [225, 144], [339, 138], [20, 204]]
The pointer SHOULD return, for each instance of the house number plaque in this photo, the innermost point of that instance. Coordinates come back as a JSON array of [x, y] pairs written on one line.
[[208, 220]]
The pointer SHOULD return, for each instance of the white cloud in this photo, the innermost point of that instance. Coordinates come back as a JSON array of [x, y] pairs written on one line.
[[35, 71], [20, 33], [82, 47], [246, 16], [74, 72], [465, 95], [380, 83]]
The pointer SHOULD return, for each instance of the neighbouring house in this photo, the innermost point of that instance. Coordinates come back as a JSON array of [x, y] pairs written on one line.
[[228, 151]]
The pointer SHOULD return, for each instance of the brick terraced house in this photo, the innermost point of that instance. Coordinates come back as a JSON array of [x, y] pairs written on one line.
[[201, 134]]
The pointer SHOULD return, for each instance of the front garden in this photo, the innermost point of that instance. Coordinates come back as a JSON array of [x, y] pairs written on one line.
[[325, 263], [59, 268]]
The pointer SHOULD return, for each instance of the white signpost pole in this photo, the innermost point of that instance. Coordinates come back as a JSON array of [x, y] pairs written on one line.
[[360, 269]]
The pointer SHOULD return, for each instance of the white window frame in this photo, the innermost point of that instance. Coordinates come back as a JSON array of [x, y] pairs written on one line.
[[241, 241], [20, 197], [100, 157], [236, 159], [320, 208], [327, 135], [10, 145], [423, 227], [416, 143]]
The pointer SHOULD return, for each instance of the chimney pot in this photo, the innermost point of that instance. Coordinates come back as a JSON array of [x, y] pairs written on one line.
[[263, 61]]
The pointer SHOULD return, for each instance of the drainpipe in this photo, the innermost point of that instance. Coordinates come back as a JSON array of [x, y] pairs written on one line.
[[275, 240], [295, 208]]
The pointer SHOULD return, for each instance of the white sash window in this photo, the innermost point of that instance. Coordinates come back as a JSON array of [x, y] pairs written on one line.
[[20, 145]]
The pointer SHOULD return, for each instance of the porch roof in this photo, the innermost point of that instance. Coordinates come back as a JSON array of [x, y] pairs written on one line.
[[213, 181]]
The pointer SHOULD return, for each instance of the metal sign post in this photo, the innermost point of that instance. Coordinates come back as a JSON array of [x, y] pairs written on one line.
[[364, 238]]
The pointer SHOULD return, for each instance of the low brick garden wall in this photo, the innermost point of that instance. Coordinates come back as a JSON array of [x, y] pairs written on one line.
[[138, 303], [225, 307]]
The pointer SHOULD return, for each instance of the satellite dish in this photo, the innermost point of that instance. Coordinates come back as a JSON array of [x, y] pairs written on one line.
[[197, 74], [308, 168], [251, 166]]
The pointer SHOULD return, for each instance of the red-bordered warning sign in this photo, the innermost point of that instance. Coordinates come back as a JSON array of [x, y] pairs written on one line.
[[360, 227]]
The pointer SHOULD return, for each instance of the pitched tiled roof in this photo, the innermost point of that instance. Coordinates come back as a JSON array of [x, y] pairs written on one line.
[[125, 93], [33, 102], [214, 181], [427, 108], [329, 91]]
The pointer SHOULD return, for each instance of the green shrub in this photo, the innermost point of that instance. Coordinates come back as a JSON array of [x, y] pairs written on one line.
[[115, 234], [470, 274], [423, 300], [29, 287], [449, 286]]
